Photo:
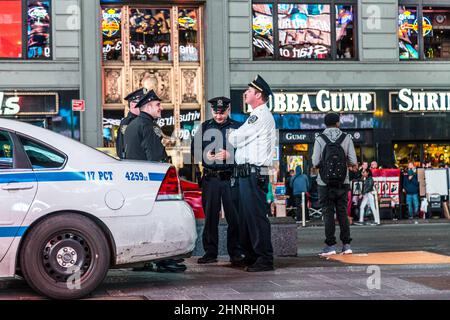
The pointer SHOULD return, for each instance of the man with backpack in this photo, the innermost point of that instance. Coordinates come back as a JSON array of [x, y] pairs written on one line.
[[334, 153]]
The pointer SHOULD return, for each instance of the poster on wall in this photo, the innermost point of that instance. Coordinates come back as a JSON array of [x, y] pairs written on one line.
[[387, 184], [436, 181], [294, 161]]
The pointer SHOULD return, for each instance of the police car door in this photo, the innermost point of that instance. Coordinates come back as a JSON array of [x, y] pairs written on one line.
[[18, 188]]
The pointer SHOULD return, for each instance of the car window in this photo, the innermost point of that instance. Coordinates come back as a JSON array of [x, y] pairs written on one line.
[[6, 151], [42, 157]]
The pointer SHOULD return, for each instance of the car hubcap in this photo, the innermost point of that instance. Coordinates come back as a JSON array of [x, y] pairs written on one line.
[[65, 254]]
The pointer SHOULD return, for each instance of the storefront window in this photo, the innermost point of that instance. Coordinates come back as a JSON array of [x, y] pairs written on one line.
[[112, 33], [345, 32], [436, 24], [304, 31], [405, 153], [408, 29], [11, 29], [150, 34], [434, 42], [38, 29], [437, 154], [188, 35], [37, 21], [262, 31]]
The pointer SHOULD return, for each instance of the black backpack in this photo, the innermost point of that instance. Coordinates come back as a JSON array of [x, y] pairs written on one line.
[[333, 166]]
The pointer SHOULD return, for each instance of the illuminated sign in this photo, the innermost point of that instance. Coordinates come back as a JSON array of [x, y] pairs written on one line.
[[111, 22], [321, 102], [407, 100], [29, 103], [9, 106]]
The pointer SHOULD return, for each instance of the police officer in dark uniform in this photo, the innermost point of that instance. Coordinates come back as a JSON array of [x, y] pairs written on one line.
[[210, 146], [143, 142], [133, 98]]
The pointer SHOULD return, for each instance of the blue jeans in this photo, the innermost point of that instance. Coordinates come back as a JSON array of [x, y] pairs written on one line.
[[413, 204]]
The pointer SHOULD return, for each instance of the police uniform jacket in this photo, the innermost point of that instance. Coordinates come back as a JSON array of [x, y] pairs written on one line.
[[143, 140], [120, 146], [255, 139], [206, 138]]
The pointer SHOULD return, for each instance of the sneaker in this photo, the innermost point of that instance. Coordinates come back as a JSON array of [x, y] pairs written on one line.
[[357, 223], [346, 249], [328, 251], [206, 259]]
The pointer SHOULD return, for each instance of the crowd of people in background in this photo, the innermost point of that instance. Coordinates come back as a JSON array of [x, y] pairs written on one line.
[[362, 206]]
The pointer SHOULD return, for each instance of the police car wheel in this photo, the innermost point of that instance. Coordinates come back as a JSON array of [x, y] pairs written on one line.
[[65, 256]]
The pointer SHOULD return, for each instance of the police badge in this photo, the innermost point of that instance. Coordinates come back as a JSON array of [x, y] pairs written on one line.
[[252, 119], [157, 131]]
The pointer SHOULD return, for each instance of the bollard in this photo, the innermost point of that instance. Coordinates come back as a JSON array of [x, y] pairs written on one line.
[[303, 210]]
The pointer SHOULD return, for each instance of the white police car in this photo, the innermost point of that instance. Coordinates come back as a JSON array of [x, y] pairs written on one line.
[[69, 212]]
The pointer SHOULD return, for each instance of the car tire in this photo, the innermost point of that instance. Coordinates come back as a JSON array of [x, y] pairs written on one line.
[[65, 256]]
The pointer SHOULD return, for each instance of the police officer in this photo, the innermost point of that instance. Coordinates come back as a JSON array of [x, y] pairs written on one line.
[[217, 156], [143, 142], [254, 142], [133, 98]]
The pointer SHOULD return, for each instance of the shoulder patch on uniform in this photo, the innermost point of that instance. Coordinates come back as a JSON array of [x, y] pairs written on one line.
[[123, 129], [252, 119], [158, 131]]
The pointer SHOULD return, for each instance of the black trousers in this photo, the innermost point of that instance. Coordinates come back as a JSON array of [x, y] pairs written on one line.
[[254, 226], [214, 193], [335, 200]]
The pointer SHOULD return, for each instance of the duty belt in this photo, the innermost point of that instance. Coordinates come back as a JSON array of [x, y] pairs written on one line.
[[245, 170], [221, 174]]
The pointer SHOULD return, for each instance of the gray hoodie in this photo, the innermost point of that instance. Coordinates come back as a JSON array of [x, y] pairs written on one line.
[[333, 134]]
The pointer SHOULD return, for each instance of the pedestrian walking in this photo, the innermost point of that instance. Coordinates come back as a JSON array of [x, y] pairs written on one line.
[[333, 154], [367, 198], [254, 142], [133, 99], [211, 147], [143, 142]]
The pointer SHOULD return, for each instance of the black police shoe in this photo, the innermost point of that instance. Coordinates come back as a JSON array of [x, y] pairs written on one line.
[[259, 267], [146, 267], [169, 266], [206, 259]]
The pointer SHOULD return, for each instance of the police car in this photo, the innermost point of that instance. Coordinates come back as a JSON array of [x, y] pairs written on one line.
[[68, 212]]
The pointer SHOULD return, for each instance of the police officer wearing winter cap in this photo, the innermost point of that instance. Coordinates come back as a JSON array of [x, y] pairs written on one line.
[[133, 98], [255, 142], [210, 146]]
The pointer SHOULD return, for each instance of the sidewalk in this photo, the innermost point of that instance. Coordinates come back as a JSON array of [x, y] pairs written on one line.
[[319, 222]]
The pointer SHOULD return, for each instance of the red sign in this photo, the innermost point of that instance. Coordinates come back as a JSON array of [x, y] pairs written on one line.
[[78, 105], [387, 184]]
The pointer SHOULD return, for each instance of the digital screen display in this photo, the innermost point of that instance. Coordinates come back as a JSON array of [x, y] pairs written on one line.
[[38, 29], [11, 29], [293, 162], [262, 31], [304, 31], [408, 30]]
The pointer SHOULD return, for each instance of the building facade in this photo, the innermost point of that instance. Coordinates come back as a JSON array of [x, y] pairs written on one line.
[[364, 59]]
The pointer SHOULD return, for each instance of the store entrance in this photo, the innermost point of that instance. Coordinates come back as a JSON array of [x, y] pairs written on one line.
[[429, 154], [294, 155]]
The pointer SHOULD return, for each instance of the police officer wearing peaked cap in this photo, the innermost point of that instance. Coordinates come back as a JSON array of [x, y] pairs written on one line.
[[210, 146], [133, 98], [255, 142], [143, 142], [143, 136]]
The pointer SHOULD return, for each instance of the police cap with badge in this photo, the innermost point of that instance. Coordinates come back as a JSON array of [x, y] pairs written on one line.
[[148, 97], [220, 104], [261, 85], [137, 95]]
